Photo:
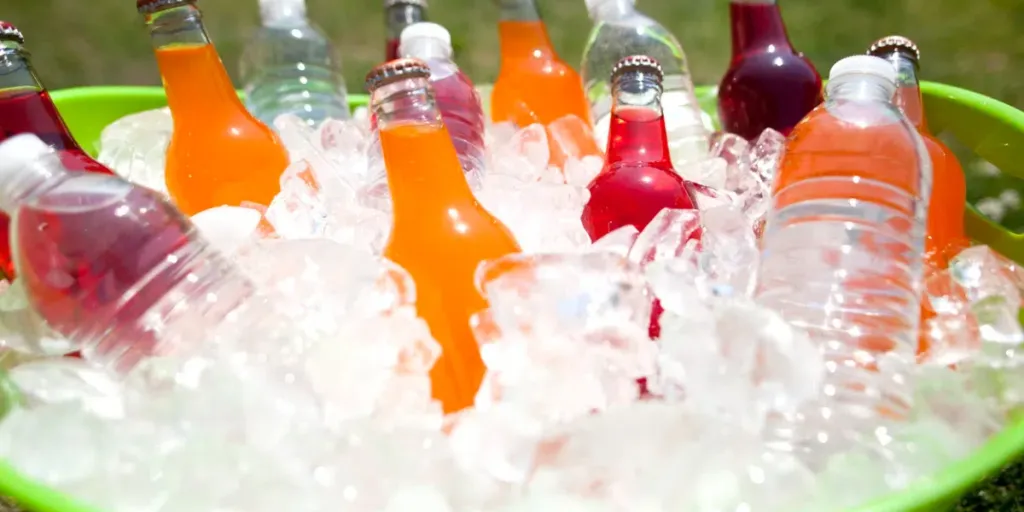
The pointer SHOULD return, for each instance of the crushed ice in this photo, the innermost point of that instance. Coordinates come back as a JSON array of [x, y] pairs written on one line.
[[316, 394]]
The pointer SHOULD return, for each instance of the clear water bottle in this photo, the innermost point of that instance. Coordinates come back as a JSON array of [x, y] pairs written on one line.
[[290, 67], [843, 252], [112, 266], [620, 30], [456, 97]]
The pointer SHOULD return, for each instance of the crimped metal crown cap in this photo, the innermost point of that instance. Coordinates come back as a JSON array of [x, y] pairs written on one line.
[[417, 3], [9, 32], [151, 6], [398, 69], [890, 44], [640, 63]]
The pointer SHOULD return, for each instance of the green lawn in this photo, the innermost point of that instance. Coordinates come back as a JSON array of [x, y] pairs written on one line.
[[976, 44]]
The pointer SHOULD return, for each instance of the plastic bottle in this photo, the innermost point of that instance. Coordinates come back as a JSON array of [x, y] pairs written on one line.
[[219, 153], [440, 232], [843, 248], [110, 265], [945, 235], [454, 93], [399, 14], [769, 84], [290, 67], [26, 107], [638, 179], [620, 31], [534, 85]]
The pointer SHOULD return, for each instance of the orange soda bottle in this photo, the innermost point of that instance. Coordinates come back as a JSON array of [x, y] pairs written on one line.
[[440, 232], [945, 232], [534, 85], [842, 252], [219, 153]]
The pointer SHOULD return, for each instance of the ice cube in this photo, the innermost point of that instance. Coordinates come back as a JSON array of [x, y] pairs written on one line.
[[298, 211], [665, 236], [525, 155], [227, 228], [617, 242], [993, 286], [581, 172], [543, 216], [135, 147], [766, 155], [709, 172], [729, 254], [69, 380], [23, 330], [732, 148], [573, 138]]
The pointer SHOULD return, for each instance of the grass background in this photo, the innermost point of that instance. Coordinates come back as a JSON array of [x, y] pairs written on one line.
[[976, 44]]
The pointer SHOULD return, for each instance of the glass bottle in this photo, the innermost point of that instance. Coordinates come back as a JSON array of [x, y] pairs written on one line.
[[945, 233], [26, 107], [440, 232], [290, 67], [534, 84], [219, 153], [112, 266], [399, 14], [638, 179], [620, 30], [769, 84]]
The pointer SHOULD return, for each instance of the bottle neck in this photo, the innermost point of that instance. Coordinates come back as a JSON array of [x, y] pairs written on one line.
[[607, 10], [283, 13], [757, 24], [189, 64], [400, 16], [426, 49], [521, 32], [637, 132], [908, 90], [860, 87], [40, 116], [425, 171], [519, 10], [33, 179]]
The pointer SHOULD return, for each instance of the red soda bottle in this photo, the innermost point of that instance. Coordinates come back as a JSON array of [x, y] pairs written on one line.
[[398, 15], [26, 107], [638, 180], [769, 84]]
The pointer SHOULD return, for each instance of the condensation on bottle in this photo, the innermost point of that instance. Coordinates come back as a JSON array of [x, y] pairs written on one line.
[[842, 253]]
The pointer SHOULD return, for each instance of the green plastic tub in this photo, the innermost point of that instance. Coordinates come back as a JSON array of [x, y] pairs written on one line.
[[992, 129]]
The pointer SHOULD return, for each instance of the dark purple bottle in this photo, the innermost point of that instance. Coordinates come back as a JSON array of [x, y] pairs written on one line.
[[769, 84]]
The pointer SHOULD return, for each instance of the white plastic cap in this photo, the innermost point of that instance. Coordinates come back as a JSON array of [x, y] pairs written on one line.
[[594, 5], [426, 29], [18, 152], [864, 65], [282, 12]]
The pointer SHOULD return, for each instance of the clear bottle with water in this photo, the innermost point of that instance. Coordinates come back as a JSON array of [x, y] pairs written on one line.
[[843, 252], [112, 266], [456, 97], [620, 30], [290, 67]]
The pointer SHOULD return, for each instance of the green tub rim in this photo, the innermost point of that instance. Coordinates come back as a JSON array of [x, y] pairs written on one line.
[[947, 106]]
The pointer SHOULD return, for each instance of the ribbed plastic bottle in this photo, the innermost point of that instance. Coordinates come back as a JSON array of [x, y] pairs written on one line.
[[290, 67], [454, 93], [843, 250], [620, 30], [112, 266], [399, 14]]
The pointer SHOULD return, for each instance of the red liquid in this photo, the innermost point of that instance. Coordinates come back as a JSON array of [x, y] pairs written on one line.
[[638, 180], [32, 111], [460, 108], [391, 51], [93, 256], [769, 84], [636, 183]]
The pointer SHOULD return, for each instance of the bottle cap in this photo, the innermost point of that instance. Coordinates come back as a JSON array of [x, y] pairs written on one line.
[[890, 44], [426, 29], [641, 63], [417, 3], [398, 69], [151, 6], [9, 32], [865, 65]]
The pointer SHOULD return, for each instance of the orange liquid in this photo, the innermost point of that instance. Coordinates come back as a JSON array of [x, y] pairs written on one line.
[[219, 154], [534, 85], [440, 235]]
